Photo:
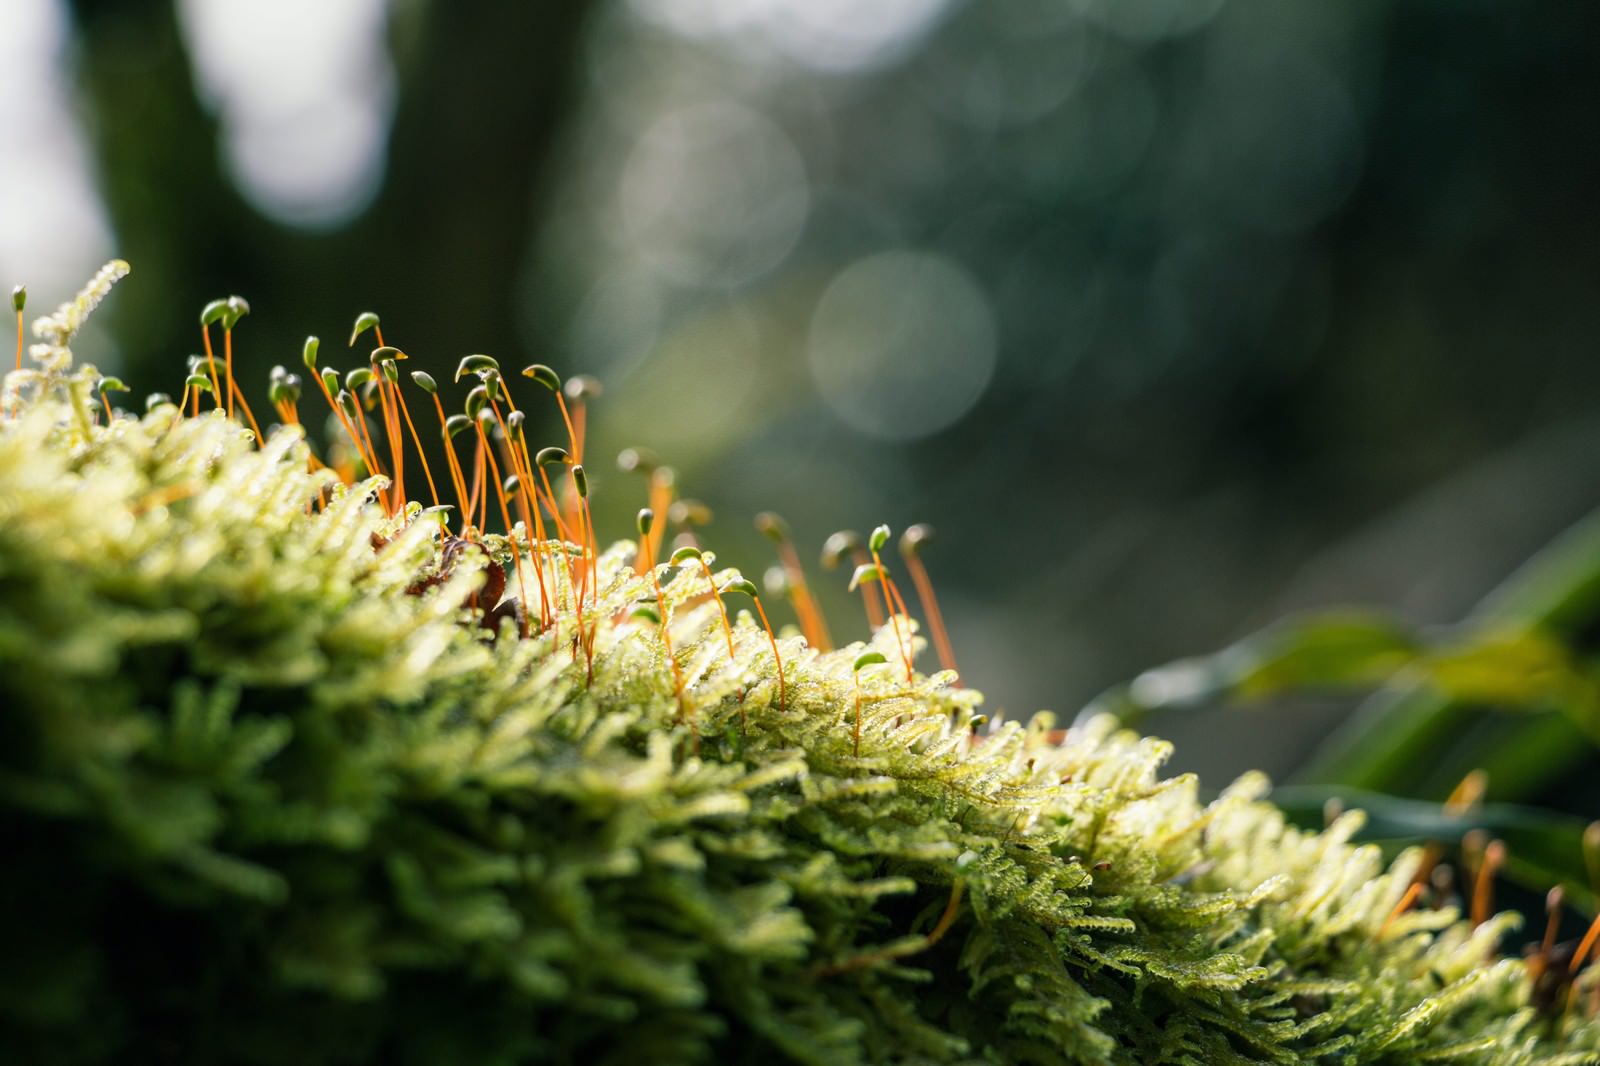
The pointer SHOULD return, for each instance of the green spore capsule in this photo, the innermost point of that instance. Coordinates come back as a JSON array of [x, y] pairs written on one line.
[[544, 376], [364, 321]]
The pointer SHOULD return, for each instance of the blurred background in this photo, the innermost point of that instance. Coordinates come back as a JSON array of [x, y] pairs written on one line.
[[1172, 316]]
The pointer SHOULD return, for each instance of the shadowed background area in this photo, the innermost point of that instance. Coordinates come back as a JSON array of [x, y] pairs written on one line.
[[1171, 316]]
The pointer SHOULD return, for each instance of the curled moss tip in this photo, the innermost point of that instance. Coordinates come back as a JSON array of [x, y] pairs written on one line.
[[19, 298], [475, 364], [235, 308], [456, 425], [551, 455], [308, 353], [637, 460], [912, 540], [645, 521], [583, 387], [744, 586], [580, 480], [689, 513], [156, 399], [544, 376], [213, 311], [425, 382], [364, 321], [514, 422], [684, 554], [865, 573], [477, 400], [512, 484], [357, 378], [838, 546], [879, 537], [330, 379], [109, 384], [198, 381], [772, 526], [386, 352]]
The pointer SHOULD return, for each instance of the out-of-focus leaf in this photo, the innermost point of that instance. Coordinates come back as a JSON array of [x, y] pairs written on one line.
[[1425, 727], [1399, 734], [1336, 650]]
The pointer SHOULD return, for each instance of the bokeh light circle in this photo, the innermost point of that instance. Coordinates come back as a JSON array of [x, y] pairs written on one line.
[[902, 344], [714, 194]]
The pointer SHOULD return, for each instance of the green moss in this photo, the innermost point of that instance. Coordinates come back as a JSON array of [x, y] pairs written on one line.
[[261, 802]]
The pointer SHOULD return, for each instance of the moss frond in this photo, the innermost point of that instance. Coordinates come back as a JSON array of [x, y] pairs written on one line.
[[271, 792]]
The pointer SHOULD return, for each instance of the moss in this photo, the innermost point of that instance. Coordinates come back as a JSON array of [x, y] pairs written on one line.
[[270, 793]]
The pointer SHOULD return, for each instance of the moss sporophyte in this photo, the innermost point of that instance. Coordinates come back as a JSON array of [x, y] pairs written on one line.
[[296, 769]]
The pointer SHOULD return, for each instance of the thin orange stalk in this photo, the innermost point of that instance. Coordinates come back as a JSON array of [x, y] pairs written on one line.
[[433, 492], [333, 404], [227, 347], [1552, 923], [722, 608], [234, 390], [580, 421], [476, 495], [521, 497], [660, 502], [875, 614], [677, 674], [563, 538], [1412, 892], [534, 548], [773, 640], [1494, 856], [15, 407], [505, 514], [930, 607], [594, 556], [532, 486], [561, 525], [727, 628], [572, 450], [887, 587], [812, 623], [371, 455], [593, 581], [391, 431], [457, 478], [397, 445], [1585, 945], [211, 365]]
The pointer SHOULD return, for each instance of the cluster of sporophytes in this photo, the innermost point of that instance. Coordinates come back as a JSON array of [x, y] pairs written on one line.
[[295, 770]]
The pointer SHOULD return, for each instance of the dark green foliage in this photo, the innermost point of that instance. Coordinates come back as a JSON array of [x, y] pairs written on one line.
[[264, 798]]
